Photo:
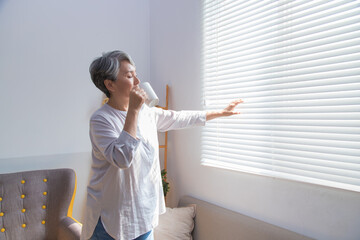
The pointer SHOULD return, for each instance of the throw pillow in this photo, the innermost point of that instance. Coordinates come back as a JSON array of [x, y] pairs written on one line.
[[176, 224]]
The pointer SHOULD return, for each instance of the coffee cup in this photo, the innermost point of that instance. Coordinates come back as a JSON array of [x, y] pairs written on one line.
[[152, 99]]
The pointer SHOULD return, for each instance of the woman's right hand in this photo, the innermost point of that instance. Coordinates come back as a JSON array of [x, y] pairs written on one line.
[[137, 98]]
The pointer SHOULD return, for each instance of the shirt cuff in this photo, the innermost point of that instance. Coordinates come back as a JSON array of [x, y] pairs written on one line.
[[129, 140], [202, 118]]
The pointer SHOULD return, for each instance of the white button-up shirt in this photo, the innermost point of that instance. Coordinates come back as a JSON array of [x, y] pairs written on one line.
[[125, 187]]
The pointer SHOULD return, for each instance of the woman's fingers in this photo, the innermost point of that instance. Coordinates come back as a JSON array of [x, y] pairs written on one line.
[[233, 104], [139, 92], [237, 102], [229, 110], [137, 97]]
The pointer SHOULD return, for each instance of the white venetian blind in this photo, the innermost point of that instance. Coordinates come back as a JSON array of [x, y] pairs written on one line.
[[296, 65]]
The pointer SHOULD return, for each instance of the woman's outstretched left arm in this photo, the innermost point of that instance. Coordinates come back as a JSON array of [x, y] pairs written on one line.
[[170, 120]]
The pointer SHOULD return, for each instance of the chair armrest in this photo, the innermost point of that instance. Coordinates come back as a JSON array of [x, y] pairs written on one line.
[[69, 229]]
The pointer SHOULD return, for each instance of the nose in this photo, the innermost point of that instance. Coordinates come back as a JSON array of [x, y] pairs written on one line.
[[136, 80]]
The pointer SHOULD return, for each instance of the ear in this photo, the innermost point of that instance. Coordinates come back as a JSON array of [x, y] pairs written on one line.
[[109, 85]]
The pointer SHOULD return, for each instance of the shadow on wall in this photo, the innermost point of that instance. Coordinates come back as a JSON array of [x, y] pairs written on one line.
[[2, 2]]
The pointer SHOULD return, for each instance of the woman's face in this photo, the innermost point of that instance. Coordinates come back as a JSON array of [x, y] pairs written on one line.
[[126, 78]]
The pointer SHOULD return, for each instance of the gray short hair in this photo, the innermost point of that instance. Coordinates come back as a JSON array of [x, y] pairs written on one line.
[[107, 67]]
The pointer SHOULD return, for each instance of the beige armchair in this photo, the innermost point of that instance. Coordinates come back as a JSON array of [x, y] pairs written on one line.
[[37, 205]]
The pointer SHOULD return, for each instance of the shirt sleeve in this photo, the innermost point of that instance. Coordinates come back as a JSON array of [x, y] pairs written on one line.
[[118, 150], [171, 120]]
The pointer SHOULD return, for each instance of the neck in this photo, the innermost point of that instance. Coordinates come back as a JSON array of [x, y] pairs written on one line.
[[119, 103]]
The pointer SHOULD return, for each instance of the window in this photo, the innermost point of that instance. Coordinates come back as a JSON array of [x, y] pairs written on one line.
[[296, 65]]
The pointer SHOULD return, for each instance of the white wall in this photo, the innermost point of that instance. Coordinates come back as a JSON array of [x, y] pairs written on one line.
[[46, 95], [315, 211]]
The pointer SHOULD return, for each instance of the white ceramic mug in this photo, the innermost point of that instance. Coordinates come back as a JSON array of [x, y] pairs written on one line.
[[152, 99]]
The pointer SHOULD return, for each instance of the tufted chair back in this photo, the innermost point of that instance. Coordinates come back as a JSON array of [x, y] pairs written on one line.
[[37, 205]]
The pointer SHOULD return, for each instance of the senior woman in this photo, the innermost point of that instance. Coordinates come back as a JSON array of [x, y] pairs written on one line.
[[124, 195]]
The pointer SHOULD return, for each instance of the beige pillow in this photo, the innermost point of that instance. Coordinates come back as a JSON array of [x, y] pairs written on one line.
[[176, 224]]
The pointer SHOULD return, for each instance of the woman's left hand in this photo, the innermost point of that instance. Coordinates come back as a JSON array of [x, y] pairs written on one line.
[[228, 111]]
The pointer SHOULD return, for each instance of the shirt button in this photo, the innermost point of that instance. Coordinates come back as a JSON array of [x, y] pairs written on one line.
[[44, 193], [23, 210], [43, 206], [45, 180], [0, 199], [23, 196], [22, 181], [23, 226], [43, 222], [2, 230], [1, 214]]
